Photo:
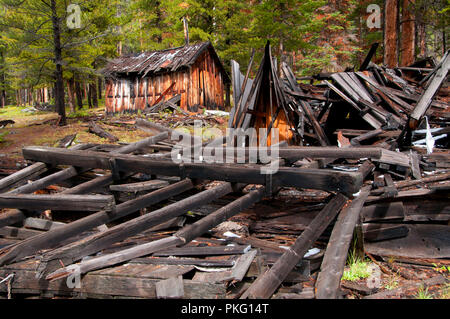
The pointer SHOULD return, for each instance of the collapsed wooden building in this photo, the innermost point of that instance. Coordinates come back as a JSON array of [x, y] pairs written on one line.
[[195, 72], [200, 230]]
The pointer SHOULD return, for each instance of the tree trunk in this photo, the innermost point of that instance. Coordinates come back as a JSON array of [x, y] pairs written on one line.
[[390, 33], [89, 94], [59, 83], [71, 94], [408, 33], [79, 95], [99, 88]]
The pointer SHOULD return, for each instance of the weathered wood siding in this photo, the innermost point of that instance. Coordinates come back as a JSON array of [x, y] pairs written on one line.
[[200, 85]]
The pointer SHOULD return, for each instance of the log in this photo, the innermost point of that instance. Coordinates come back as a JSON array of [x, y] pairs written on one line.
[[333, 263], [97, 242], [58, 202], [329, 180], [22, 176], [52, 238], [97, 130], [267, 283]]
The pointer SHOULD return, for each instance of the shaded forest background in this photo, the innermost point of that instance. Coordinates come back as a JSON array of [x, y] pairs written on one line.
[[44, 58]]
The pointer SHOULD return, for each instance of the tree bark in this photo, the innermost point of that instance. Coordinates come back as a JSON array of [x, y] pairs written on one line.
[[79, 95], [71, 94], [408, 33], [390, 33], [59, 83]]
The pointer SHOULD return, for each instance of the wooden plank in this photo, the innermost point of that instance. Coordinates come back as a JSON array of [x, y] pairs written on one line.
[[171, 288], [11, 217], [22, 176], [242, 265], [266, 284], [139, 187], [333, 263], [374, 232], [414, 158], [58, 202]]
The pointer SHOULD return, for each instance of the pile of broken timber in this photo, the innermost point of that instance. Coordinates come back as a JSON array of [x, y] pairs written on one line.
[[137, 224], [391, 108]]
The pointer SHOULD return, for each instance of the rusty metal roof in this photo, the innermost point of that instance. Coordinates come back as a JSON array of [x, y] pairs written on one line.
[[169, 60]]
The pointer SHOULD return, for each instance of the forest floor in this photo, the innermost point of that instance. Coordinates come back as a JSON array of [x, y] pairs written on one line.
[[408, 280]]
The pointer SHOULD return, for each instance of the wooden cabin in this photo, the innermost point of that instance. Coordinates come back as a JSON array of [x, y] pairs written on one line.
[[137, 81]]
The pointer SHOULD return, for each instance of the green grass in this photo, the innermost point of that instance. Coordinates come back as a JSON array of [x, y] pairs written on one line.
[[445, 293], [12, 111], [3, 135], [423, 294], [359, 269]]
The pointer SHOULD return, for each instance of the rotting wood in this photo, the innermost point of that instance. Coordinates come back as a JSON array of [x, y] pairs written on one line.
[[332, 268], [53, 237], [266, 284]]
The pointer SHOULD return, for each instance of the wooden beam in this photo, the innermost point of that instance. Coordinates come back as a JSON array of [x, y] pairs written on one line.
[[97, 130], [333, 263], [329, 180], [58, 202], [22, 176], [141, 144], [268, 282]]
